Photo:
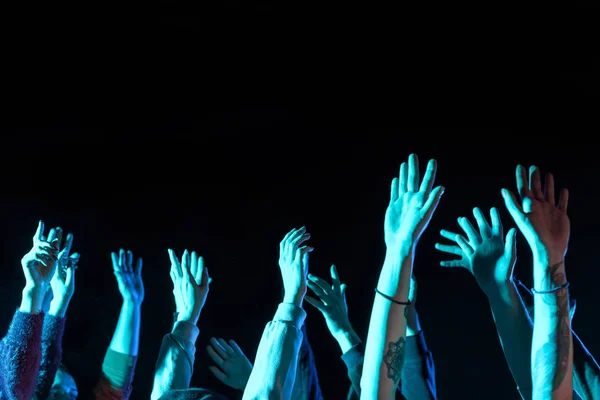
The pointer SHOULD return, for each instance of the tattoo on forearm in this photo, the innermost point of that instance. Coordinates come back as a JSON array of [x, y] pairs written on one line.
[[394, 357], [559, 342]]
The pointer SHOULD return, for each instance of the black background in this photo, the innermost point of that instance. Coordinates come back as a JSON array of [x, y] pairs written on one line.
[[151, 133]]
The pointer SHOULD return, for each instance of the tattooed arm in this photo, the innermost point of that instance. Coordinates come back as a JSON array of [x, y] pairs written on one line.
[[384, 352], [552, 344]]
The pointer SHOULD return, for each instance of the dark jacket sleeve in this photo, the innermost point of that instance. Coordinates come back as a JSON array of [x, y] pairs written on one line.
[[418, 375], [20, 353], [52, 334]]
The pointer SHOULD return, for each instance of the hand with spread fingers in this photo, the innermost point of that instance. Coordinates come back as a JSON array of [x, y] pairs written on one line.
[[190, 285], [331, 302], [233, 367], [543, 222], [412, 203], [293, 263], [483, 251], [129, 278]]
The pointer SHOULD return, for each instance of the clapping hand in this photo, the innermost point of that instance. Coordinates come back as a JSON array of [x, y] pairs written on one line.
[[483, 251], [233, 367], [40, 262], [190, 285], [293, 263], [129, 278]]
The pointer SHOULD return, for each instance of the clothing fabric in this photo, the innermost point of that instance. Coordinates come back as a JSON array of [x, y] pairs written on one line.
[[52, 334], [418, 374], [116, 383]]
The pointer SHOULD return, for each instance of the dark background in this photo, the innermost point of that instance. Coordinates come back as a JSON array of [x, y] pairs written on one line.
[[161, 132]]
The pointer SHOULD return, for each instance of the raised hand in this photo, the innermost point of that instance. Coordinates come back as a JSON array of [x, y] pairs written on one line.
[[482, 251], [331, 302], [190, 285], [411, 204], [129, 278], [544, 224], [39, 264], [293, 263], [62, 285], [233, 367]]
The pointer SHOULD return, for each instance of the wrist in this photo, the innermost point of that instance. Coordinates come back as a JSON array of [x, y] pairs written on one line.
[[294, 298], [191, 317], [32, 299], [58, 308], [346, 339]]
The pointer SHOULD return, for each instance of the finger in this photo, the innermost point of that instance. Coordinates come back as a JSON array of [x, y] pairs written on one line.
[[448, 235], [563, 202], [413, 173], [456, 250], [403, 178], [343, 290], [322, 283], [318, 290], [305, 249], [129, 261], [175, 266], [298, 241], [201, 272], [318, 304], [194, 265], [115, 261], [284, 242], [68, 244], [235, 347], [522, 183], [43, 259], [59, 236], [510, 249], [335, 280], [54, 244], [394, 190], [432, 201], [51, 235], [122, 261], [214, 355], [484, 228], [219, 374], [535, 183], [464, 245], [549, 189], [472, 234], [514, 208], [497, 229], [185, 262], [452, 263], [429, 177], [295, 240], [39, 233], [217, 347], [138, 266], [226, 346]]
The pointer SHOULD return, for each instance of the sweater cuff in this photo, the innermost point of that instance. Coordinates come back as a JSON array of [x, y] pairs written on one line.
[[416, 348], [291, 314], [354, 356], [186, 330], [54, 328], [25, 327]]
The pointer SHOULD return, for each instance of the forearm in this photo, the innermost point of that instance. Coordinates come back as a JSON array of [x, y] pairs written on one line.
[[347, 339], [32, 300], [125, 340], [552, 343], [59, 305], [384, 355], [515, 333], [52, 334]]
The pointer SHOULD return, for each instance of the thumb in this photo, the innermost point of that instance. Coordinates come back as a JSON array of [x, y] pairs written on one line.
[[512, 205], [433, 200], [70, 276], [510, 250], [343, 287]]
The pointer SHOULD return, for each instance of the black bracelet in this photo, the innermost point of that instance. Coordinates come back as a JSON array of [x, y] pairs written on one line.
[[556, 289], [391, 299]]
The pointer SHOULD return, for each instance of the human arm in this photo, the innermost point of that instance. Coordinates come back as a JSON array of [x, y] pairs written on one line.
[[20, 349], [546, 226], [118, 367], [175, 363], [485, 253], [277, 356], [409, 212], [232, 367]]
